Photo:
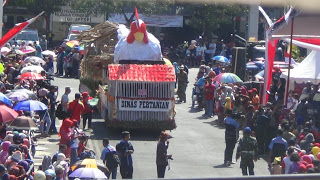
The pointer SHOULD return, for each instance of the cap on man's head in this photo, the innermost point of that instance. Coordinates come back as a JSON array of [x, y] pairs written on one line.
[[125, 133], [77, 95], [247, 130], [68, 88]]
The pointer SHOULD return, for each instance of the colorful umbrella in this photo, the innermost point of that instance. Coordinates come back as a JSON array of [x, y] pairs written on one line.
[[221, 59], [30, 105], [93, 102], [92, 173], [34, 59], [48, 53], [7, 114], [17, 96], [35, 69], [4, 99], [227, 78], [24, 123], [31, 75], [89, 163], [73, 43], [31, 94]]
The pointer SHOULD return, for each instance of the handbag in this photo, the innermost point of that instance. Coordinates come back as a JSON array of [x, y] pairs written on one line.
[[69, 143]]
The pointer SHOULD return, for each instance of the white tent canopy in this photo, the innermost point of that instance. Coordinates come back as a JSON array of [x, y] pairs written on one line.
[[307, 70]]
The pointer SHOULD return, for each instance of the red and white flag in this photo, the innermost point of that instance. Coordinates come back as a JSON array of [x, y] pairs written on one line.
[[4, 2], [15, 30]]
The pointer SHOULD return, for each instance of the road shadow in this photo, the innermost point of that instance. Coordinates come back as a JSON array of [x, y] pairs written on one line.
[[194, 110], [100, 131], [54, 140], [221, 166], [215, 124]]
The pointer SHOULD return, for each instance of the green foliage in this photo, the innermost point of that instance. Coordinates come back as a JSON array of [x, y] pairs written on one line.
[[296, 53], [214, 17], [37, 6], [91, 84], [122, 6]]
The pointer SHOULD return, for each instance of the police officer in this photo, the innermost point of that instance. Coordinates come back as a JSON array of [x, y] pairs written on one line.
[[231, 136], [248, 151], [182, 84]]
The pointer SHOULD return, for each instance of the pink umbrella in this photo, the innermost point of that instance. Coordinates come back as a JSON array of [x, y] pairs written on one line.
[[7, 114], [27, 49]]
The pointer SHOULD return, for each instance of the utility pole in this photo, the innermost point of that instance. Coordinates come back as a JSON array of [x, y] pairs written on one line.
[[1, 17]]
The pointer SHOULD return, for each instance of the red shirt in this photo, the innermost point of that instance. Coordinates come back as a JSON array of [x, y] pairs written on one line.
[[77, 108], [209, 91], [86, 106]]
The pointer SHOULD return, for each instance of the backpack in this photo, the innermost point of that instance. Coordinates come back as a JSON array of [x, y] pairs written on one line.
[[112, 159]]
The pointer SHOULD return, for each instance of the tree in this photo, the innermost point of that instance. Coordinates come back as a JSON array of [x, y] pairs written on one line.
[[125, 6], [215, 18], [37, 6]]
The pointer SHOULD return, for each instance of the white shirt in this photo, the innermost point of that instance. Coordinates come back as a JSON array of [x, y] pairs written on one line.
[[200, 50], [287, 163], [64, 99], [76, 140], [212, 48]]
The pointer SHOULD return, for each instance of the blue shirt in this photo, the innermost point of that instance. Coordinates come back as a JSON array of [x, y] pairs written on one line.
[[107, 150], [230, 121], [201, 82], [279, 140], [216, 70]]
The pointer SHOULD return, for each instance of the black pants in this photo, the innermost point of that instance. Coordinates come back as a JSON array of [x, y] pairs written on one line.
[[126, 172], [60, 67], [87, 116], [247, 165], [261, 142], [161, 170], [228, 152]]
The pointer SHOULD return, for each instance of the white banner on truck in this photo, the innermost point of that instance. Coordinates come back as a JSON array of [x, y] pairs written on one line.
[[152, 20], [144, 105], [67, 14]]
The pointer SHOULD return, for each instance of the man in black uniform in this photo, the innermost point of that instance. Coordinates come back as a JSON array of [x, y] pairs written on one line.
[[125, 149]]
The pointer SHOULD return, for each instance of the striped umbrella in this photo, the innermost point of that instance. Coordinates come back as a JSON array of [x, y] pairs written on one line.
[[227, 78], [221, 59]]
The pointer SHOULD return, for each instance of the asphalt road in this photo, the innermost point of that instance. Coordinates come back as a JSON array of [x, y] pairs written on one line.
[[197, 147]]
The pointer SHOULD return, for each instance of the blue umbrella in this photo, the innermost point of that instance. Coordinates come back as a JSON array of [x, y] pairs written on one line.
[[221, 59], [30, 105], [4, 99]]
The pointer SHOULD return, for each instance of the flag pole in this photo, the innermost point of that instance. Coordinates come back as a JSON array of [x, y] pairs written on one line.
[[288, 78], [1, 17]]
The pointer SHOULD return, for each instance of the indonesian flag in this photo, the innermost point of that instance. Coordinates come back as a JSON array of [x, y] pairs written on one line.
[[287, 57], [15, 30], [5, 2]]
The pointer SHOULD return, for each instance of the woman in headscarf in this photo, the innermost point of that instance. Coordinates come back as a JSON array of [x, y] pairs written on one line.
[[61, 162], [65, 135], [9, 137], [39, 52], [4, 153]]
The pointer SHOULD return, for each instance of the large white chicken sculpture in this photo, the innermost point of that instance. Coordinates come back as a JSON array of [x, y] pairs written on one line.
[[137, 43]]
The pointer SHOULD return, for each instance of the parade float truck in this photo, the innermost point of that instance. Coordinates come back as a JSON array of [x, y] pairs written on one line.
[[137, 90]]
